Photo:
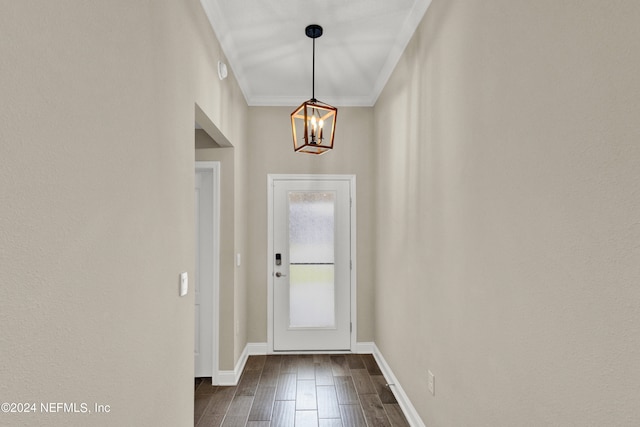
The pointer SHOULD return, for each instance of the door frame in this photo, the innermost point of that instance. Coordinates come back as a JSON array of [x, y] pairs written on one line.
[[214, 167], [270, 253]]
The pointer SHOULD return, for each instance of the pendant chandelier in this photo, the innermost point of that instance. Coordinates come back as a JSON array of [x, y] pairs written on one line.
[[313, 123]]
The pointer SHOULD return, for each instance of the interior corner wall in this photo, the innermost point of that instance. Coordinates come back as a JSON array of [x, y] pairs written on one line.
[[507, 214], [233, 294], [96, 212], [270, 151], [228, 219]]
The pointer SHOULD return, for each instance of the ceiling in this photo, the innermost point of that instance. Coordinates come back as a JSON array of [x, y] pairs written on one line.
[[270, 55]]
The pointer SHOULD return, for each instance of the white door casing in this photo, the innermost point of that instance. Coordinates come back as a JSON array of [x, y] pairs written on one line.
[[206, 280], [295, 321]]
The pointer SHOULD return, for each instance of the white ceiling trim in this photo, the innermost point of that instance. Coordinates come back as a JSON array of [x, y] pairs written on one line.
[[402, 40], [396, 44]]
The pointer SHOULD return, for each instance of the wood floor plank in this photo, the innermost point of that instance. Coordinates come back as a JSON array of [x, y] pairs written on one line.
[[373, 410], [287, 385], [240, 406], [384, 392], [306, 419], [289, 364], [355, 361], [321, 358], [272, 364], [352, 416], [205, 387], [262, 406], [346, 391], [234, 421], [258, 423], [324, 373], [269, 378], [370, 363], [340, 366], [306, 368], [330, 422], [396, 417], [306, 395], [362, 381], [327, 402], [255, 363], [200, 405], [238, 412], [284, 413], [248, 383], [220, 401], [210, 420]]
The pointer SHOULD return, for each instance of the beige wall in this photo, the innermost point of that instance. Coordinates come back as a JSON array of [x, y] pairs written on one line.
[[270, 151], [508, 214], [207, 149], [96, 204], [233, 299], [497, 209]]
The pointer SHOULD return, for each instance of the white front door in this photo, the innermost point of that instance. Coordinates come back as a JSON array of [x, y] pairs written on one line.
[[206, 271], [311, 264]]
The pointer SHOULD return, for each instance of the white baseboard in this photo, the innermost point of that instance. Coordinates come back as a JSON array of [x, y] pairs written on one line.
[[365, 348], [403, 400], [256, 348], [260, 348], [233, 377]]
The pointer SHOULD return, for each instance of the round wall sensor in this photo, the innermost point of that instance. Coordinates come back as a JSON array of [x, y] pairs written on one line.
[[222, 70]]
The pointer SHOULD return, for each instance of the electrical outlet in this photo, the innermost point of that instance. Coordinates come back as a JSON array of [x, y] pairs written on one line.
[[431, 382]]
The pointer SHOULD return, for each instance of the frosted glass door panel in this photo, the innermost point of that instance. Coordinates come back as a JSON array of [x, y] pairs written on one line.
[[312, 296], [311, 258], [311, 227]]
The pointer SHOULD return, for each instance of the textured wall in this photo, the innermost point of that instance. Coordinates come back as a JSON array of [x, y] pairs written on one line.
[[96, 204], [270, 151], [508, 214]]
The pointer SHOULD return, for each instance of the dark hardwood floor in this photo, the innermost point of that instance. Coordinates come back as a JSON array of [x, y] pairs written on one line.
[[301, 390]]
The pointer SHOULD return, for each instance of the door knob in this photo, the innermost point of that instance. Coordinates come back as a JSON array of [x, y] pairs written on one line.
[[278, 274]]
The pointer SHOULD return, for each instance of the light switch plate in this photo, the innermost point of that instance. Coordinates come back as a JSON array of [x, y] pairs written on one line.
[[184, 283]]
